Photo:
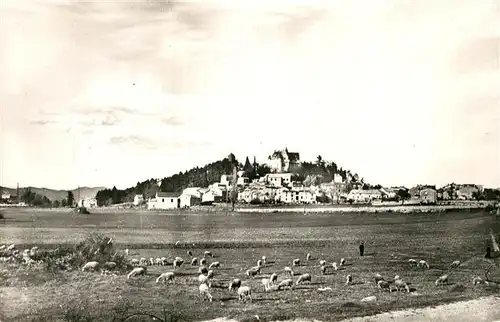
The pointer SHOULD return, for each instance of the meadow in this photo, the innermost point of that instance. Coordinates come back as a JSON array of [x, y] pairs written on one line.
[[238, 240]]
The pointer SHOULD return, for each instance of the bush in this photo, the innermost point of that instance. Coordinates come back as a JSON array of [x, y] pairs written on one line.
[[255, 201]]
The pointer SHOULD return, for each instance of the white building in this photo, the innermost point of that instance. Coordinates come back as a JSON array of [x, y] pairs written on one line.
[[87, 203], [283, 161], [5, 195], [243, 181], [165, 200], [193, 191], [358, 195], [138, 199], [278, 179]]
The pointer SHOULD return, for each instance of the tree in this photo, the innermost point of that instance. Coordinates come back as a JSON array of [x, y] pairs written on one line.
[[56, 204], [70, 199], [403, 195], [64, 203]]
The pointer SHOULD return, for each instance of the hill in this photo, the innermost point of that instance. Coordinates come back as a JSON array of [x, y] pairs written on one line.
[[53, 195]]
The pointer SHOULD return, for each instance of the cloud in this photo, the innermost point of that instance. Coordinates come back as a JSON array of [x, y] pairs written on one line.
[[172, 120], [43, 122], [135, 140]]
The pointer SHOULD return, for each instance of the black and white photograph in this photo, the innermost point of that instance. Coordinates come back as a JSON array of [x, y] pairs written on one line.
[[249, 161]]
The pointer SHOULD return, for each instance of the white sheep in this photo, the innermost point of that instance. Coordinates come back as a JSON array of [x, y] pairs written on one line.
[[202, 278], [93, 265], [289, 271], [204, 291], [286, 283], [143, 261], [2, 247], [208, 253], [442, 279], [234, 284], [11, 247], [177, 243], [400, 284], [455, 264], [342, 261], [137, 271], [304, 278], [259, 263], [203, 261], [274, 278], [323, 269], [244, 293], [33, 251], [210, 274], [214, 264], [348, 280], [264, 260], [384, 285], [308, 257], [164, 277], [127, 251], [266, 283], [164, 261], [194, 261], [109, 265], [423, 264], [412, 262], [158, 261], [296, 262], [253, 271], [322, 262], [151, 261], [203, 270], [478, 280], [335, 267], [378, 278]]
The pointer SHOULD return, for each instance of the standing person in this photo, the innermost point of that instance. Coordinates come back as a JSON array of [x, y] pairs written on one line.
[[361, 249]]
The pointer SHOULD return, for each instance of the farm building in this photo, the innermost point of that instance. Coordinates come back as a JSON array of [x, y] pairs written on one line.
[[165, 200], [358, 195], [467, 192], [188, 200], [5, 195], [278, 179], [138, 199], [428, 195], [87, 203]]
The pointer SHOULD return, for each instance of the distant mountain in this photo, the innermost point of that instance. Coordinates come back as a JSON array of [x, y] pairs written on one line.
[[53, 195]]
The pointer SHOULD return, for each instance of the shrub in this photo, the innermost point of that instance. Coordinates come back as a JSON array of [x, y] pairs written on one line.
[[255, 201]]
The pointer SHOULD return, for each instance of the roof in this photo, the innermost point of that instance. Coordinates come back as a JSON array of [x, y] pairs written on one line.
[[161, 194], [370, 191]]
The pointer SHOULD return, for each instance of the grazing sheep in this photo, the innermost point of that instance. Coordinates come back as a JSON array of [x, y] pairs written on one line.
[[189, 253], [342, 261], [235, 284], [203, 270], [478, 280], [194, 261], [378, 278], [134, 262], [442, 279], [412, 262], [33, 251], [322, 262], [11, 247], [143, 261], [110, 265], [274, 278], [90, 266], [203, 261], [151, 261], [164, 261], [244, 293], [304, 278], [252, 272], [308, 257], [455, 264], [177, 243], [384, 285], [177, 263], [286, 283], [2, 247], [158, 261], [259, 263], [289, 271], [208, 253], [348, 279], [335, 267], [423, 264], [400, 284], [323, 269], [264, 260], [267, 284], [296, 262], [214, 264], [127, 251], [164, 277], [203, 288], [137, 271], [210, 274], [202, 278]]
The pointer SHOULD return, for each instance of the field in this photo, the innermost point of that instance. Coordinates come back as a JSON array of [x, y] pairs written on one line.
[[238, 240]]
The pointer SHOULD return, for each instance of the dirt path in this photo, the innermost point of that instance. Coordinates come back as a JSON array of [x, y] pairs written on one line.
[[484, 309]]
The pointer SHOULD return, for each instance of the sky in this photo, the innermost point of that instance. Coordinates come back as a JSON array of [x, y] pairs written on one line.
[[103, 93]]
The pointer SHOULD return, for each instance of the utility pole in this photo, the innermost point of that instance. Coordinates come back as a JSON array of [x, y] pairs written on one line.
[[17, 193]]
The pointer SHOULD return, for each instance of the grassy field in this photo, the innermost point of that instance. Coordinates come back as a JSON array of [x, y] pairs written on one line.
[[237, 241]]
